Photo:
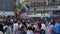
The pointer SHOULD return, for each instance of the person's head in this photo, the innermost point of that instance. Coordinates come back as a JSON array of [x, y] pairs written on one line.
[[53, 23], [0, 22], [59, 21], [38, 26], [23, 28], [30, 24], [29, 27]]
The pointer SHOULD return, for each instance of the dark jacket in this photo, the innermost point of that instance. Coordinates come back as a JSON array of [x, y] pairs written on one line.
[[40, 32], [21, 32], [1, 27]]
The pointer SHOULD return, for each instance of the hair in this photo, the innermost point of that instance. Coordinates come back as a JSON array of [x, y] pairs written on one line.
[[53, 23], [22, 28], [29, 28], [59, 21], [39, 25]]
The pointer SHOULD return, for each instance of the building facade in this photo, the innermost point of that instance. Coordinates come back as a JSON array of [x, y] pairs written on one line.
[[44, 6], [6, 5]]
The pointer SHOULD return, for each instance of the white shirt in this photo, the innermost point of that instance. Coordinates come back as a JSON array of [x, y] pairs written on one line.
[[43, 26], [1, 32], [15, 26]]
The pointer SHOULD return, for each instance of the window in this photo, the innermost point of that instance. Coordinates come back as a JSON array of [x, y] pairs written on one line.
[[8, 5]]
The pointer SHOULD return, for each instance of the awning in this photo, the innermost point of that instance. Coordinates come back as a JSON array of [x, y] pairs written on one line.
[[11, 13]]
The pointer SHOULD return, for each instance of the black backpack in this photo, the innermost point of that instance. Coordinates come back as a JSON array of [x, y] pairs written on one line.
[[42, 31]]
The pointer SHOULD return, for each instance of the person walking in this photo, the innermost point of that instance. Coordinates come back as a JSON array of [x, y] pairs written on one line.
[[51, 28], [21, 30], [15, 27], [29, 29], [57, 27], [43, 26], [38, 29], [1, 28]]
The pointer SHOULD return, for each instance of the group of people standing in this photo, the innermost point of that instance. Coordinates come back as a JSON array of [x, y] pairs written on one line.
[[16, 26], [54, 27], [20, 27]]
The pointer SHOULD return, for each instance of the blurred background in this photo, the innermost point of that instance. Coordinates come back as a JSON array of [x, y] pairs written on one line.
[[30, 16]]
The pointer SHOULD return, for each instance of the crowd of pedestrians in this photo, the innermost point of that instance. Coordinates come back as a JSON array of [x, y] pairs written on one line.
[[13, 25], [54, 27]]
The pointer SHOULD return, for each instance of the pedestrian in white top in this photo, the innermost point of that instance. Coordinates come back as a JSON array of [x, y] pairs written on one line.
[[15, 27], [43, 26]]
